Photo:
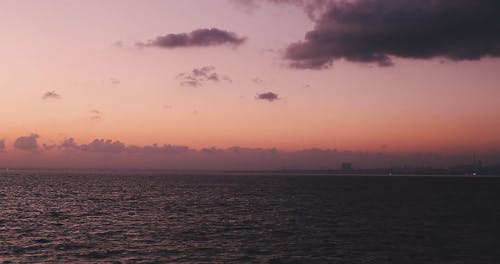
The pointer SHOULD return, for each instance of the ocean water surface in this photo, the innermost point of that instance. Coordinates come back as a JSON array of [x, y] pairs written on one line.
[[142, 217]]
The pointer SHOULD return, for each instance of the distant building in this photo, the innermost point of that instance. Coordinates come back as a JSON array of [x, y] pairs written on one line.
[[474, 168], [479, 164], [346, 166]]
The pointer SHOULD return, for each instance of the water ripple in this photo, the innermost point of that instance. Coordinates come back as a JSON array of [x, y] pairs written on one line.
[[123, 218]]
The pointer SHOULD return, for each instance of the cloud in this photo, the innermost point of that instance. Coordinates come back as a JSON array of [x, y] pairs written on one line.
[[97, 145], [2, 145], [212, 150], [199, 76], [103, 145], [198, 38], [108, 153], [371, 31], [95, 115], [110, 146], [155, 149], [118, 44], [269, 96], [69, 144], [313, 8], [51, 95], [49, 146], [114, 81], [257, 81], [27, 142]]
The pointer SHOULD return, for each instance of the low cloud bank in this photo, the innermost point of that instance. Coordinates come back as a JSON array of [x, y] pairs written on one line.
[[107, 153], [27, 142]]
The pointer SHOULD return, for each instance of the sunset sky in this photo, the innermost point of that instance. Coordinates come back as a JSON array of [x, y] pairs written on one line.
[[97, 78]]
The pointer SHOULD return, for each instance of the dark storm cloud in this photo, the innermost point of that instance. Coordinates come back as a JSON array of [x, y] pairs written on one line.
[[199, 76], [27, 142], [51, 95], [198, 38], [373, 31], [269, 96]]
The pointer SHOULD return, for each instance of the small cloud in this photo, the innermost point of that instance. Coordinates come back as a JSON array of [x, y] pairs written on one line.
[[51, 95], [269, 96], [199, 76], [114, 81], [306, 86], [167, 107], [198, 38], [118, 44], [96, 115], [27, 142], [257, 81], [271, 51]]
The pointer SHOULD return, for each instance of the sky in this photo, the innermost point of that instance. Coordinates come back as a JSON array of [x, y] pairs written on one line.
[[248, 84]]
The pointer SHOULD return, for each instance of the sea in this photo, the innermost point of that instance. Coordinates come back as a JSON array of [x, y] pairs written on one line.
[[63, 216]]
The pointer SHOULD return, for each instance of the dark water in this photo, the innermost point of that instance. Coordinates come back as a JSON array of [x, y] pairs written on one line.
[[125, 218]]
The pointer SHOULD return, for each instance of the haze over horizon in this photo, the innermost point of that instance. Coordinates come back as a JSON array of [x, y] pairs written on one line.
[[248, 84]]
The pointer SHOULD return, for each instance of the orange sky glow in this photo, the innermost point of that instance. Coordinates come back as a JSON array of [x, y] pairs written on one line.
[[74, 69]]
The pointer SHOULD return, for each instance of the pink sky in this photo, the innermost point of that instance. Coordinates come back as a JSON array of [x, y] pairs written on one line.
[[109, 88]]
